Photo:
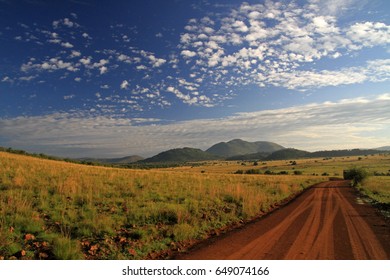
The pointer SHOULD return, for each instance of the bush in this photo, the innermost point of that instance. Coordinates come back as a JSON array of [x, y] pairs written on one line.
[[253, 171], [356, 175]]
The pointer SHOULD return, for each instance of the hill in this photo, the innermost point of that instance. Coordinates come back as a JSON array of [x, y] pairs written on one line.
[[181, 155], [238, 147], [344, 153], [122, 160], [295, 154], [255, 156], [384, 148], [288, 154]]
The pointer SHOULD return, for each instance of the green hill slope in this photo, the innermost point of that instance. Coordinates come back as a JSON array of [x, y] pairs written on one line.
[[288, 154], [122, 160], [181, 155], [240, 147]]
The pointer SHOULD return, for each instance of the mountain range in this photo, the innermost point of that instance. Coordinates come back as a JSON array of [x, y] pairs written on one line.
[[236, 149]]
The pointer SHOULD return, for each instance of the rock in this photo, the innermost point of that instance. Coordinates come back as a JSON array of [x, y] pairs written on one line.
[[29, 236]]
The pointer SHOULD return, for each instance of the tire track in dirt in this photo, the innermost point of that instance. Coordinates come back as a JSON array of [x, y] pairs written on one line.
[[363, 242], [325, 222]]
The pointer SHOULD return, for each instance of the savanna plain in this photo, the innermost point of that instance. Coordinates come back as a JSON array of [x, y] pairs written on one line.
[[59, 210]]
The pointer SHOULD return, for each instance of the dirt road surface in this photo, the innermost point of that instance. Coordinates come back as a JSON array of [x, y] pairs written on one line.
[[325, 222]]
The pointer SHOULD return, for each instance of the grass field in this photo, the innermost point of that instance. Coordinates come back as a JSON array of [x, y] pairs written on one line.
[[59, 210], [311, 166], [377, 186]]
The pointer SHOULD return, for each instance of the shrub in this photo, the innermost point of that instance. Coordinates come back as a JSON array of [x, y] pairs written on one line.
[[66, 249], [356, 175], [253, 171]]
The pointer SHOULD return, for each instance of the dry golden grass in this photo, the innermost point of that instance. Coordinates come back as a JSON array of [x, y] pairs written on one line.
[[377, 188], [77, 211], [317, 166]]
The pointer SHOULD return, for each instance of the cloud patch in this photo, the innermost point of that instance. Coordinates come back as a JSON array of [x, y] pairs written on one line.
[[349, 123]]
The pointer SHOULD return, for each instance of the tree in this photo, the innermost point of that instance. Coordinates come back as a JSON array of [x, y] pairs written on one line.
[[356, 174]]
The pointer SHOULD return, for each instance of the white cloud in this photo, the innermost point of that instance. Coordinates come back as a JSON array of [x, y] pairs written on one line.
[[64, 22], [188, 53], [67, 97], [124, 85], [101, 63], [85, 60], [348, 123], [208, 30], [6, 79], [75, 54], [333, 7], [27, 78], [67, 45], [240, 26], [156, 62], [103, 70], [86, 35], [55, 23], [186, 98], [369, 34], [141, 67], [50, 65], [68, 22], [277, 52]]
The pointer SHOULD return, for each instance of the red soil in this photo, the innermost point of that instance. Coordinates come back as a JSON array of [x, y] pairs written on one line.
[[325, 222]]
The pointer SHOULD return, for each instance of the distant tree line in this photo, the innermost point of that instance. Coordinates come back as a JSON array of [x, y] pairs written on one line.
[[142, 165]]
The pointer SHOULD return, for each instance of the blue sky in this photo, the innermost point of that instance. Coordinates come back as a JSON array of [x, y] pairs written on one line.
[[114, 78]]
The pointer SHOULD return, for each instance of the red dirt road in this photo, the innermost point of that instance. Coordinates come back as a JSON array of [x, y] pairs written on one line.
[[325, 222]]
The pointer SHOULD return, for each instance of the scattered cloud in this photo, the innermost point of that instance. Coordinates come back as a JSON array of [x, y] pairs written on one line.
[[279, 53], [187, 53], [64, 22], [275, 43], [103, 69], [6, 79], [369, 34], [75, 54], [312, 127], [50, 65], [124, 85], [67, 45], [67, 97]]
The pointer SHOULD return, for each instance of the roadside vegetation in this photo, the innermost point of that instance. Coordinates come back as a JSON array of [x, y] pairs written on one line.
[[378, 189], [58, 210]]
